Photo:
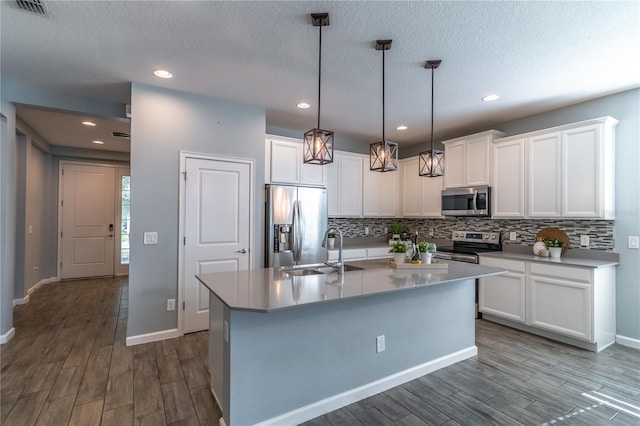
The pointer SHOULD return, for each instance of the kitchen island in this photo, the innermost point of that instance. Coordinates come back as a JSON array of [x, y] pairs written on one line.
[[285, 348]]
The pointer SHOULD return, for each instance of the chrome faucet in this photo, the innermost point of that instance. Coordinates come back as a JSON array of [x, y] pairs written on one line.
[[340, 263]]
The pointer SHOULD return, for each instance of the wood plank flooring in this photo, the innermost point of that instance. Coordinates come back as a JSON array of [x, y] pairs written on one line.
[[68, 365]]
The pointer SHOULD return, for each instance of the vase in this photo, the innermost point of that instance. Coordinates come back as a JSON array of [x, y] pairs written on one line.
[[331, 242], [399, 258], [427, 258], [555, 251]]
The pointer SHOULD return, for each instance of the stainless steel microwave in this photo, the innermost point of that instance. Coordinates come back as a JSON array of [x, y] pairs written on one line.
[[472, 201]]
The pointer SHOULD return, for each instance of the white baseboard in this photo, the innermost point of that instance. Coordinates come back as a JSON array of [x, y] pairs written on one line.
[[4, 338], [36, 286], [628, 341], [21, 301], [335, 402], [153, 337]]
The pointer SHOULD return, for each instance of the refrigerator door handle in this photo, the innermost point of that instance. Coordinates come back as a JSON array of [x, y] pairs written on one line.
[[297, 231]]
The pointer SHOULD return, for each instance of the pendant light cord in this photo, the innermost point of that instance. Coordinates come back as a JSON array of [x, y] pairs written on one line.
[[319, 73], [383, 138], [432, 80]]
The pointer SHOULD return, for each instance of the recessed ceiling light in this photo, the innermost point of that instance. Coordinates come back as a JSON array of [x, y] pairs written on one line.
[[303, 105], [490, 98], [402, 127], [162, 73], [89, 123], [98, 142]]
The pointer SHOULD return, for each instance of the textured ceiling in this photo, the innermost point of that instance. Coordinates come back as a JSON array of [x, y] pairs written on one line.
[[537, 55]]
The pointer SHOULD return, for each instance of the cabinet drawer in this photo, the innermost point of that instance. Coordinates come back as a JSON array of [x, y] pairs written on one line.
[[378, 253], [561, 272], [510, 265], [350, 254]]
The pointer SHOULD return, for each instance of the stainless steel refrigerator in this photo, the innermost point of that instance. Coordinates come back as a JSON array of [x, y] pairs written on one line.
[[296, 219]]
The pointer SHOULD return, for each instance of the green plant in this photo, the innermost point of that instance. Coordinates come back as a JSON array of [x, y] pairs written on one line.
[[398, 248], [395, 228], [331, 235], [554, 243], [426, 247]]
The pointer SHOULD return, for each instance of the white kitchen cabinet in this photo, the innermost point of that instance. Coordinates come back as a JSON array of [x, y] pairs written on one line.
[[573, 304], [504, 295], [380, 192], [344, 185], [560, 304], [508, 187], [284, 157], [421, 196], [468, 159], [563, 172], [347, 254]]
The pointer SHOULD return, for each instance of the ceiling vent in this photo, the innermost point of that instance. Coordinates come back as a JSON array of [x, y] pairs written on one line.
[[122, 135], [34, 6]]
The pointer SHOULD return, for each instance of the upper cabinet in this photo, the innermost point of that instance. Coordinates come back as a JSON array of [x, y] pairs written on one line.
[[567, 171], [284, 163], [421, 196], [380, 192], [344, 185], [468, 159]]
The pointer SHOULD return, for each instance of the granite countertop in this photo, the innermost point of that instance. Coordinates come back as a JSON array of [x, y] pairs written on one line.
[[578, 258], [271, 289]]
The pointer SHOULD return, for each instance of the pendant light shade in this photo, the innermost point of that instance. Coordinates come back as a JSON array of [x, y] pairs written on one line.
[[318, 143], [431, 162], [383, 155]]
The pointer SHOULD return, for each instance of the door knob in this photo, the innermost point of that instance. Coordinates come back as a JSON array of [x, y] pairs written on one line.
[[243, 251]]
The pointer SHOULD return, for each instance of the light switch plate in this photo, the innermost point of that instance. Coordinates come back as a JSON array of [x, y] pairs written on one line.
[[634, 242], [512, 236], [151, 238], [584, 240]]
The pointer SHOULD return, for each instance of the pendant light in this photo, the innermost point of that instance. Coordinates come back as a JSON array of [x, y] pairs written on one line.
[[318, 143], [431, 162], [383, 155]]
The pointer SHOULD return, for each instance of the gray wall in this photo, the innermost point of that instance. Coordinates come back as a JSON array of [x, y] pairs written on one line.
[[7, 215], [163, 123]]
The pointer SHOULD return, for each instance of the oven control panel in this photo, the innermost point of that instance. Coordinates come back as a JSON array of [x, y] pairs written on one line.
[[477, 237]]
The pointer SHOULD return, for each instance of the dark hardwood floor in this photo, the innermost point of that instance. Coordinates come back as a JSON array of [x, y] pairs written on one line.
[[68, 364]]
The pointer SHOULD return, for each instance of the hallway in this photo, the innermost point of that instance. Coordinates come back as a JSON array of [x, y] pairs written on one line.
[[68, 363]]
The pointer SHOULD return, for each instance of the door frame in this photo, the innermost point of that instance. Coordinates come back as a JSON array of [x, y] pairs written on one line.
[[61, 165], [184, 155]]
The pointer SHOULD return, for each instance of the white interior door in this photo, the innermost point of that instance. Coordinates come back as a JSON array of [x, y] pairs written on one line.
[[217, 222], [88, 220]]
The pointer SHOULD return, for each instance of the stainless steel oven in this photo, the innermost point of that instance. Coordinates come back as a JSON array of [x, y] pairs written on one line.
[[471, 201]]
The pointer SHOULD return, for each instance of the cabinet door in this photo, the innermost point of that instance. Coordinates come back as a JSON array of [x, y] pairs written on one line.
[[411, 189], [285, 161], [477, 162], [455, 167], [581, 171], [333, 186], [312, 174], [504, 295], [371, 190], [508, 179], [388, 193], [431, 199], [544, 175], [560, 306], [350, 185]]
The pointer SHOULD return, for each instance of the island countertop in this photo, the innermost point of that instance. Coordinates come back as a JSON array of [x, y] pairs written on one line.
[[272, 289]]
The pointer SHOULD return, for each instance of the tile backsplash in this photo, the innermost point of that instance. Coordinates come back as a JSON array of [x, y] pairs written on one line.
[[600, 232]]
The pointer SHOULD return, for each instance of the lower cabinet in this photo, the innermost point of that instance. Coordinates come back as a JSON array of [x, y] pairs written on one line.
[[504, 295], [361, 254], [571, 304]]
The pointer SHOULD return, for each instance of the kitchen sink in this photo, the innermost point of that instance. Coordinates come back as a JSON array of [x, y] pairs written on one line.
[[302, 270]]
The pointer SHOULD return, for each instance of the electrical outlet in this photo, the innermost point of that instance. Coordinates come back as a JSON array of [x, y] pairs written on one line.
[[380, 345], [31, 229], [366, 230], [584, 240], [431, 232], [512, 236], [171, 304], [634, 242], [35, 269], [386, 230]]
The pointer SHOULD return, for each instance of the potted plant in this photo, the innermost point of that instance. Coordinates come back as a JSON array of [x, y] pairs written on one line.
[[399, 251], [428, 249], [396, 230], [555, 247], [331, 240]]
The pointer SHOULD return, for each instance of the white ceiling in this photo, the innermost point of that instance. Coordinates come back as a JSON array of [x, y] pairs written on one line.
[[537, 55]]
